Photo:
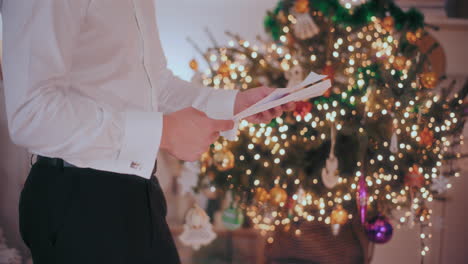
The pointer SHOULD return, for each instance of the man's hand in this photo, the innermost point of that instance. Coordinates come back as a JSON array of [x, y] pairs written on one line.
[[188, 133], [251, 96]]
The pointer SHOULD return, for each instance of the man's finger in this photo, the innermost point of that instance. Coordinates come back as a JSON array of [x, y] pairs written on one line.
[[222, 125], [289, 106], [277, 111], [266, 116]]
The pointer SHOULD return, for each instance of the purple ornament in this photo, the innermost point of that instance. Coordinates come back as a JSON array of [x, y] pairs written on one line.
[[379, 230], [362, 198]]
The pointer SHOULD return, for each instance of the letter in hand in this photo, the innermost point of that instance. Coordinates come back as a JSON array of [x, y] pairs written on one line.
[[188, 133], [250, 97]]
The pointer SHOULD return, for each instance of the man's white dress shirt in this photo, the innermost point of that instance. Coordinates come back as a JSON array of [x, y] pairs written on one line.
[[86, 81]]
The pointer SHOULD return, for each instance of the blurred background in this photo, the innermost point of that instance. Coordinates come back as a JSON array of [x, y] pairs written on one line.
[[182, 19]]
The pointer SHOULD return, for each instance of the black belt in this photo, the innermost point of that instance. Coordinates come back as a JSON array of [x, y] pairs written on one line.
[[60, 163], [54, 162]]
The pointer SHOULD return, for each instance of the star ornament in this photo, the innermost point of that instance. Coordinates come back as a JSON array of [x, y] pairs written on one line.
[[440, 184]]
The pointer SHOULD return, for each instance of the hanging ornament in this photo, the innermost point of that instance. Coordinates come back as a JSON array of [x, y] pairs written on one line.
[[198, 230], [388, 23], [351, 4], [197, 77], [193, 65], [362, 197], [305, 26], [294, 76], [278, 195], [429, 80], [394, 143], [301, 6], [233, 218], [413, 37], [188, 178], [302, 108], [223, 159], [379, 230], [261, 195], [414, 177], [440, 184], [330, 172], [339, 217], [427, 137], [399, 63], [224, 69]]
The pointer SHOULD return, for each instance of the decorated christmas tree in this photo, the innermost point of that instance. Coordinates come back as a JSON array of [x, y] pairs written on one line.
[[379, 145]]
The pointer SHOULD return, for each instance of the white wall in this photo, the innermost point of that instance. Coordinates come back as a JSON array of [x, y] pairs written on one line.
[[188, 18]]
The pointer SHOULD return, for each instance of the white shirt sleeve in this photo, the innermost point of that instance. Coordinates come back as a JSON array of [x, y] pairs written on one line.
[[46, 114], [177, 94]]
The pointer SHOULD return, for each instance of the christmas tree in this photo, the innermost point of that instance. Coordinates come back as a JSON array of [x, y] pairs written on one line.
[[379, 145]]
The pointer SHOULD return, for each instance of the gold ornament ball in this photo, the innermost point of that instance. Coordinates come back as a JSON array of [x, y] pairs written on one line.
[[301, 6], [399, 63], [339, 216], [194, 65], [261, 195], [223, 160], [388, 23], [429, 79], [224, 70], [278, 195]]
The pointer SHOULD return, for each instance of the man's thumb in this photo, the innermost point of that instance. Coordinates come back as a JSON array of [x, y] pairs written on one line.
[[223, 125]]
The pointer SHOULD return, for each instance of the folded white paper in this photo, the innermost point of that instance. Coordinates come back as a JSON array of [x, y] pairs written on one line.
[[313, 85]]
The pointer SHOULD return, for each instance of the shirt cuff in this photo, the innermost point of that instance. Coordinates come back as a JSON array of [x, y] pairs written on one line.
[[219, 104], [141, 141]]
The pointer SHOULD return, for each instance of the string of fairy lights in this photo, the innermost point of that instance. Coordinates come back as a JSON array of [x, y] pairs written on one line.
[[398, 170]]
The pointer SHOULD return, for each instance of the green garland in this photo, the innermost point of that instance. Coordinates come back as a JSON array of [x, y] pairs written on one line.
[[360, 16]]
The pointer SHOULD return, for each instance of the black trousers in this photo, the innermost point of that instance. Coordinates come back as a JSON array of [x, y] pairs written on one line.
[[84, 216]]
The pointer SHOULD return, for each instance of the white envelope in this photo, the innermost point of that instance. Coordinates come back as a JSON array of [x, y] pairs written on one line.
[[313, 85]]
